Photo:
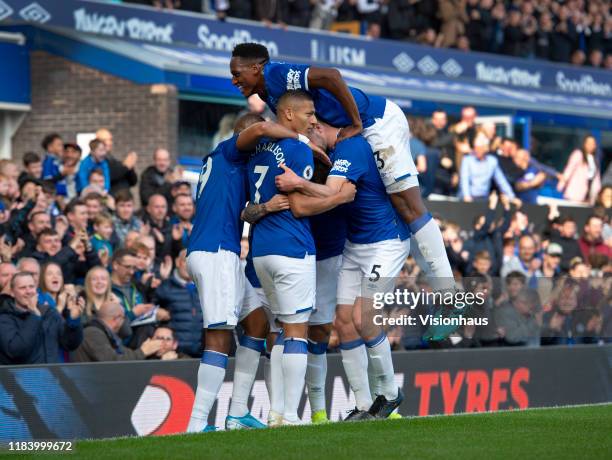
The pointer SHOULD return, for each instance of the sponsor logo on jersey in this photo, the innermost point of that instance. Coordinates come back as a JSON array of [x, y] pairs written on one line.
[[341, 166]]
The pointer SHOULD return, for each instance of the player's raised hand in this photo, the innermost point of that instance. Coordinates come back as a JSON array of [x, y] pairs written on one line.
[[288, 181], [349, 131], [278, 202], [320, 154]]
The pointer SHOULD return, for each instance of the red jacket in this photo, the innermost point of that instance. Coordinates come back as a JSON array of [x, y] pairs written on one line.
[[594, 247]]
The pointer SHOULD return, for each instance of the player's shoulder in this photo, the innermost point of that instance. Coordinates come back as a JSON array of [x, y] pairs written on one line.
[[293, 146], [226, 146], [356, 145]]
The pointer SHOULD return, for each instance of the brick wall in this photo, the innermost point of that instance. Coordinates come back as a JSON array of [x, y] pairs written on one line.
[[69, 98]]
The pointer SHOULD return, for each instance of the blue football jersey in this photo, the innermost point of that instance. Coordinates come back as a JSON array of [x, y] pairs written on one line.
[[372, 217], [280, 233], [281, 77], [329, 232], [220, 197], [249, 271]]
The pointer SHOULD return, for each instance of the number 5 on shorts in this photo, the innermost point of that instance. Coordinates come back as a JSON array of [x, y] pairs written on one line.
[[375, 275]]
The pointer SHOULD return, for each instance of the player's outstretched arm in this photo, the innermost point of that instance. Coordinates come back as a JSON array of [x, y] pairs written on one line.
[[248, 138], [290, 182], [332, 81], [304, 206]]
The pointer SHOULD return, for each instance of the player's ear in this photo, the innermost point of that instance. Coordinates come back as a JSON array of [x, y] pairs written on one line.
[[289, 113]]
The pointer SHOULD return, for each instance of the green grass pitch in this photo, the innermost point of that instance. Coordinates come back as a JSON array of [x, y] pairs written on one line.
[[581, 432]]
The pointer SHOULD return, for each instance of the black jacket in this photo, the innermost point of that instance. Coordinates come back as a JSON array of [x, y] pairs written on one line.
[[153, 182], [26, 338], [72, 268], [121, 178], [183, 303]]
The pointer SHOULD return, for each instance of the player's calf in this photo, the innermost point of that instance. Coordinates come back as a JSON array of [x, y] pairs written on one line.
[[294, 362], [316, 370], [211, 374]]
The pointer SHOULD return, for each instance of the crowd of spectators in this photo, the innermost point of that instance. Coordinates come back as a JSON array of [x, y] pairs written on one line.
[[469, 160], [87, 276], [84, 276], [576, 31]]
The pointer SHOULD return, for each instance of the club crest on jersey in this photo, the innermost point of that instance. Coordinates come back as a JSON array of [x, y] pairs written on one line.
[[308, 171], [293, 79], [341, 166]]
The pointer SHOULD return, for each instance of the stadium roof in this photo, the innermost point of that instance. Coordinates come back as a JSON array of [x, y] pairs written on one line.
[[195, 71]]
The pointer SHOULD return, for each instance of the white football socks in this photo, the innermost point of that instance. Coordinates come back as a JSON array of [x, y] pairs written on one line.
[[379, 351], [316, 373], [211, 374], [294, 372], [355, 362], [276, 390], [247, 361], [427, 235]]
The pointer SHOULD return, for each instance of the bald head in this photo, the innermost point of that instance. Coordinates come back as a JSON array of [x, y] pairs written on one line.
[[157, 207], [109, 310], [105, 136], [247, 120], [161, 160]]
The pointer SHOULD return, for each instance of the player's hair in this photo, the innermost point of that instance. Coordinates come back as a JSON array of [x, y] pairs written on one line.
[[30, 157], [247, 120], [251, 51], [48, 140], [292, 96], [103, 218]]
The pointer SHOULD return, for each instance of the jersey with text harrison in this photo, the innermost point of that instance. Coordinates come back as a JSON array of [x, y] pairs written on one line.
[[372, 217], [220, 198], [279, 233], [281, 77]]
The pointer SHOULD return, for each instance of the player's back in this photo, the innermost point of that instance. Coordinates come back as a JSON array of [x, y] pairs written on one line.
[[281, 77], [371, 216], [279, 233], [220, 197]]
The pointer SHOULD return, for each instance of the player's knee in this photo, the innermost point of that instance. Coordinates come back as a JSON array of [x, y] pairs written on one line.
[[344, 325], [218, 340], [319, 332], [256, 324]]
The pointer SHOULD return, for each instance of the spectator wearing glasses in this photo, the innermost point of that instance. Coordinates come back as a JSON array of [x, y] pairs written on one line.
[[131, 298], [168, 345]]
